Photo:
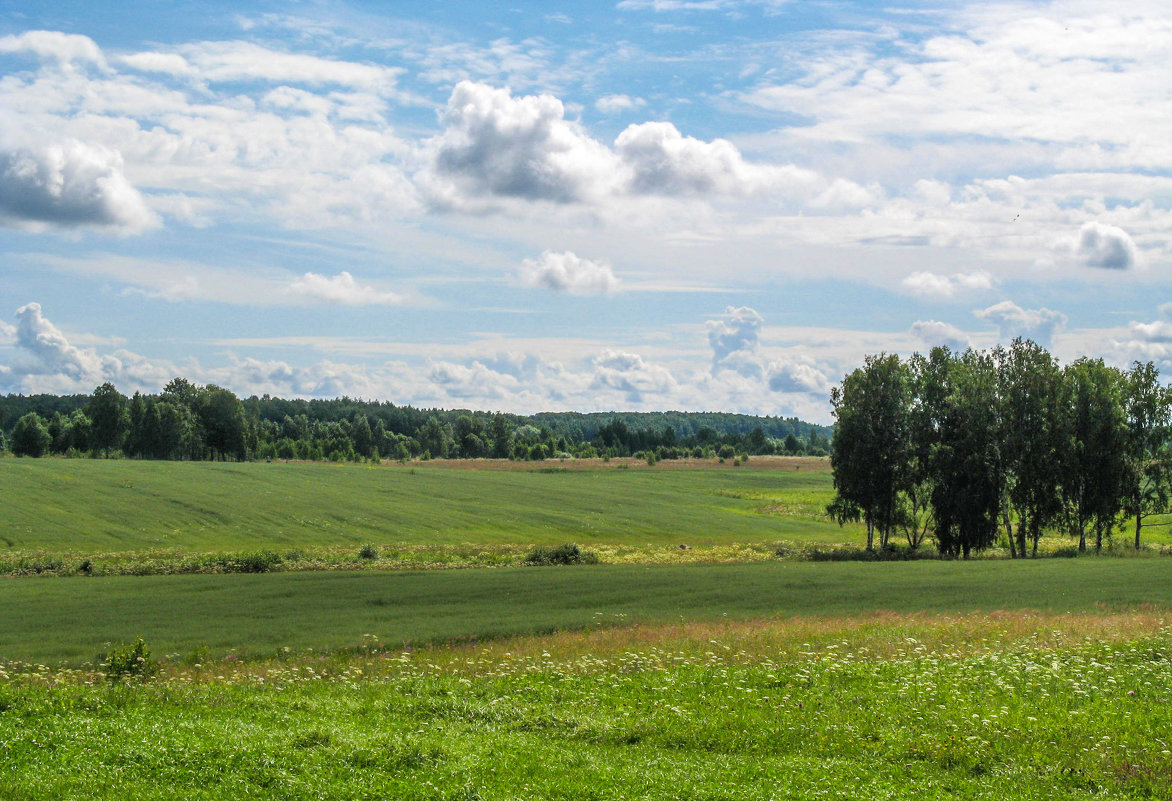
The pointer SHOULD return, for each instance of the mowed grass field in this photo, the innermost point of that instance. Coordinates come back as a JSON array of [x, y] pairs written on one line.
[[71, 620], [96, 506]]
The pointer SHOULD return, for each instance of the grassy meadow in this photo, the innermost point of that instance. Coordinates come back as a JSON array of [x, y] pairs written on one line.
[[712, 672], [1003, 706]]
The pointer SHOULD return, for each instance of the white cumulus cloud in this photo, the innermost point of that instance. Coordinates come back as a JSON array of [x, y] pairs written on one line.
[[570, 273], [797, 375], [631, 375], [664, 161], [737, 333], [934, 332], [1106, 247], [69, 184], [343, 289], [64, 48], [494, 144], [1012, 321]]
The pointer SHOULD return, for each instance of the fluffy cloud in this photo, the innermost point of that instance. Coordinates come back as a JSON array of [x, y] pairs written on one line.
[[738, 333], [494, 144], [476, 381], [64, 48], [1157, 331], [36, 335], [1012, 321], [615, 104], [53, 364], [797, 375], [935, 285], [630, 375], [71, 184], [1106, 247], [664, 161], [934, 332], [343, 289], [567, 272]]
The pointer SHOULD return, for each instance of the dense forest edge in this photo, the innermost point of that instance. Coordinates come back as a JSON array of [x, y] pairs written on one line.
[[187, 421]]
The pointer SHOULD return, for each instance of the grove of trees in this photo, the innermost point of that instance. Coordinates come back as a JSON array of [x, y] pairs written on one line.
[[1003, 445]]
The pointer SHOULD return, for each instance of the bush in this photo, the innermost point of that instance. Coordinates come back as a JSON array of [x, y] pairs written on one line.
[[891, 553], [256, 562], [368, 552], [129, 661], [565, 554]]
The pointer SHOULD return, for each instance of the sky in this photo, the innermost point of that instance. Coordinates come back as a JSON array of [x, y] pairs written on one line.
[[716, 205]]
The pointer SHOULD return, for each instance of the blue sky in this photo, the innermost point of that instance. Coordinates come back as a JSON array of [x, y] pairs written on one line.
[[649, 204]]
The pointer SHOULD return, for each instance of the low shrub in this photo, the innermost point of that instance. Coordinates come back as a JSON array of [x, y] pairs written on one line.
[[368, 552], [889, 553], [254, 562], [565, 554], [129, 661]]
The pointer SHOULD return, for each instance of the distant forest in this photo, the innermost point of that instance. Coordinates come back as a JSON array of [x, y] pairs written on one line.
[[192, 422]]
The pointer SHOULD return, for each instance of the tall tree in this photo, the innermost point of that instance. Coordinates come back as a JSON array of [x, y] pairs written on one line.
[[1095, 460], [361, 435], [106, 411], [929, 388], [222, 417], [966, 486], [1033, 440], [1148, 408], [869, 452]]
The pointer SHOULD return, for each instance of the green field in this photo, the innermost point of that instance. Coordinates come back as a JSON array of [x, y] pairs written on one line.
[[85, 505], [53, 620], [767, 679]]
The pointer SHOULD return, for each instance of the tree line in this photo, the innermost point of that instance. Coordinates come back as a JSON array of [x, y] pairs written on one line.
[[1003, 445], [191, 422]]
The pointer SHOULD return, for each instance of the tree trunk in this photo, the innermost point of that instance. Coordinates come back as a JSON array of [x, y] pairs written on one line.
[[1099, 538], [1021, 539], [870, 535], [1009, 534], [1082, 538], [1037, 536], [1138, 526]]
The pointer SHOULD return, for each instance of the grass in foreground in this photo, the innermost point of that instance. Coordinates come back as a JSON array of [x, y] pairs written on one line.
[[1009, 706], [69, 620]]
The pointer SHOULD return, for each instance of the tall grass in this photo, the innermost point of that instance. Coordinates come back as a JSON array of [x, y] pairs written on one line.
[[1012, 707]]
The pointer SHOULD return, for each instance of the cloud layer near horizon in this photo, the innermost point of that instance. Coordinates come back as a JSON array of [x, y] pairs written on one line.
[[545, 215]]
